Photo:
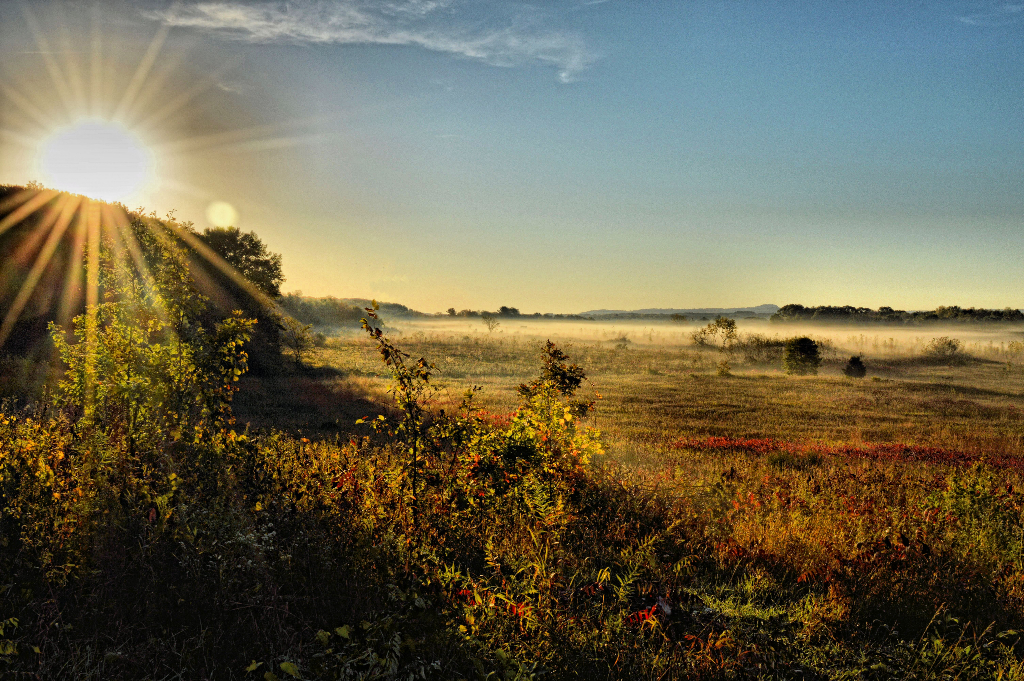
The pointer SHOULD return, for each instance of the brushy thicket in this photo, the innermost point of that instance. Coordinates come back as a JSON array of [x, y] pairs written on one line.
[[143, 536]]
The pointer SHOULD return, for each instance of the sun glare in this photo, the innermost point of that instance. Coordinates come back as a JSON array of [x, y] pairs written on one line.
[[98, 159]]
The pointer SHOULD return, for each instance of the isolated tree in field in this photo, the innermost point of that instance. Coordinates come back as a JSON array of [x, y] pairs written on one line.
[[451, 312], [720, 333], [249, 255], [855, 368], [297, 337], [490, 321], [801, 356]]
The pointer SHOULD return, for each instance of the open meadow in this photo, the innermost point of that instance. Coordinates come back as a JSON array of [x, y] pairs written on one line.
[[657, 386], [807, 526]]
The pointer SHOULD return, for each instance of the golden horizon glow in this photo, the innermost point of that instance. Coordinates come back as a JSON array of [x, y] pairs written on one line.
[[96, 158]]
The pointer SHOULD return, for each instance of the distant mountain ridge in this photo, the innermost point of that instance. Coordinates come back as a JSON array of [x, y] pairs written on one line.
[[766, 308]]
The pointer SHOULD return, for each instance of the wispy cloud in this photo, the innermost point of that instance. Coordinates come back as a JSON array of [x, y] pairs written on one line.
[[502, 34], [1000, 15]]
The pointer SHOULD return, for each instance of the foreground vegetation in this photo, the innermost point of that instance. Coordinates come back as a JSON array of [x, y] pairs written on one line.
[[459, 544], [726, 522]]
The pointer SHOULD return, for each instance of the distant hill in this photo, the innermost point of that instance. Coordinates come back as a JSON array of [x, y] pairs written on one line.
[[764, 310]]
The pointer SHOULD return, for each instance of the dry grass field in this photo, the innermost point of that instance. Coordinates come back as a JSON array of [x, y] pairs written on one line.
[[710, 517], [656, 386]]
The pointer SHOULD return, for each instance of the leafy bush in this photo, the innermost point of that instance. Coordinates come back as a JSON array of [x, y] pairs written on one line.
[[801, 356], [720, 333], [945, 350]]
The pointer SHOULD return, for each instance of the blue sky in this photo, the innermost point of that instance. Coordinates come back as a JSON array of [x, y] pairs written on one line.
[[563, 156]]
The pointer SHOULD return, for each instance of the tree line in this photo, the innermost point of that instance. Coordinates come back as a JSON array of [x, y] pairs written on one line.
[[848, 314]]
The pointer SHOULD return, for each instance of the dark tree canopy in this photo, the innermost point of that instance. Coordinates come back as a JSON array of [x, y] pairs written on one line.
[[801, 356], [847, 314], [249, 255], [855, 368]]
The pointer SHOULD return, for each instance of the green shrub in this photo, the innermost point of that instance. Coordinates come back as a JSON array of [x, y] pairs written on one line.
[[945, 350]]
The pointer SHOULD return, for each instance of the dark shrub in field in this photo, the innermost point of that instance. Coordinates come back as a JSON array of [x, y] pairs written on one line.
[[801, 356], [855, 368]]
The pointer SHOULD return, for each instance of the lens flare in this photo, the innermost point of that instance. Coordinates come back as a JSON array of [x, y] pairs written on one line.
[[96, 158], [221, 214]]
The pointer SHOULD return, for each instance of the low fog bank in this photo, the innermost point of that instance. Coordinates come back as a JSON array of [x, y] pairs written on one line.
[[984, 340]]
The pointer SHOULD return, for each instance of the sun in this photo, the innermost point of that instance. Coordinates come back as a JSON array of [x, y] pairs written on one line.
[[96, 158]]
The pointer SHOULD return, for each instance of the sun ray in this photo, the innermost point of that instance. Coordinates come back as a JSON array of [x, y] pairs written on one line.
[[30, 245], [141, 73], [92, 270], [59, 83], [182, 100], [153, 93], [27, 208], [154, 88], [276, 143], [17, 138], [96, 66], [212, 140], [18, 199], [63, 213], [74, 77], [27, 107], [124, 240], [210, 256], [91, 213], [238, 141], [72, 295]]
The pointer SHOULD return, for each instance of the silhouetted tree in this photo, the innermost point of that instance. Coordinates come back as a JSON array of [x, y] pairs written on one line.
[[490, 321], [855, 368], [249, 255]]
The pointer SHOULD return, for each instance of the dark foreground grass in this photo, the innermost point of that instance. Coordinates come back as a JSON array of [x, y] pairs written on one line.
[[469, 545]]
